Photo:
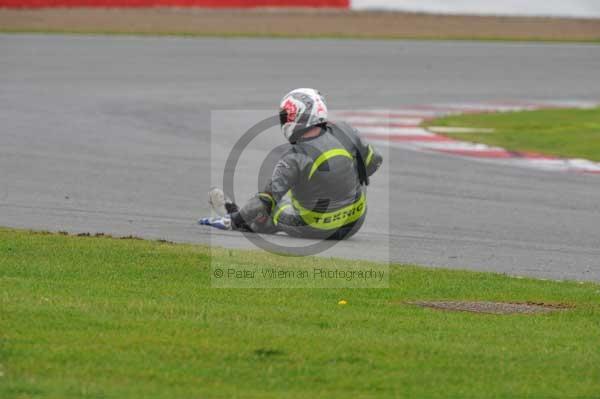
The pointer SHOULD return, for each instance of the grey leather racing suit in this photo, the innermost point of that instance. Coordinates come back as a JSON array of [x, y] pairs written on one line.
[[315, 190]]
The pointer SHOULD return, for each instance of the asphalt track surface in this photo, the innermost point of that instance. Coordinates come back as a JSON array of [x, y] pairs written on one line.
[[113, 134]]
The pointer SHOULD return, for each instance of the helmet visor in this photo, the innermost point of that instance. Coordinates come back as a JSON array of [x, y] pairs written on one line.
[[283, 117]]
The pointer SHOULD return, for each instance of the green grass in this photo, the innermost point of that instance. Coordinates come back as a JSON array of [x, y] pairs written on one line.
[[572, 133], [271, 35], [84, 317]]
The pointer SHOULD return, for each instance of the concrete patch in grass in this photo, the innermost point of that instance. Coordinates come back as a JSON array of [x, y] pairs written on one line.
[[492, 307]]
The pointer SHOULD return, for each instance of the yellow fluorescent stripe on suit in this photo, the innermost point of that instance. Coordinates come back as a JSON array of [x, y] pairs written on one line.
[[328, 155], [268, 197], [369, 156], [331, 220], [278, 213]]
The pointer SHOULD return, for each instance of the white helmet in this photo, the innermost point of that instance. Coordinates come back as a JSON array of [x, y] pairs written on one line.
[[301, 110]]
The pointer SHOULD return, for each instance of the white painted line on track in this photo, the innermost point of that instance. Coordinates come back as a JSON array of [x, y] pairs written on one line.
[[448, 129]]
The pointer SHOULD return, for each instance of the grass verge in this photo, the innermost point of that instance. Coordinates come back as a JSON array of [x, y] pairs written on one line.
[[110, 318], [569, 133], [307, 36]]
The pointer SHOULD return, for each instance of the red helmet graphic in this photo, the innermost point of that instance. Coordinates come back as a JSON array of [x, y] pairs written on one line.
[[299, 111]]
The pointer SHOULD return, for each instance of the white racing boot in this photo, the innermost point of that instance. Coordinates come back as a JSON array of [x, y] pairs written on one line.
[[222, 206], [219, 202]]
